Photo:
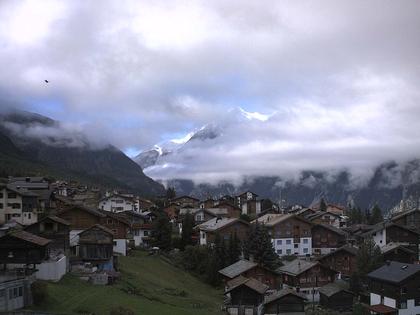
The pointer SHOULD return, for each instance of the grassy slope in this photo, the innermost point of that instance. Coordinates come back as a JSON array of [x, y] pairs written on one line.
[[158, 285]]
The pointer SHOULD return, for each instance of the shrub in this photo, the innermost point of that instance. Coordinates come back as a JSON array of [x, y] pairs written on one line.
[[39, 292]]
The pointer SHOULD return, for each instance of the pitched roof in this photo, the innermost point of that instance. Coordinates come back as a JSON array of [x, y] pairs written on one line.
[[297, 266], [332, 229], [384, 225], [251, 283], [29, 237], [56, 219], [394, 245], [218, 223], [189, 197], [83, 208], [331, 289], [237, 268], [320, 214], [283, 292], [271, 219], [21, 191], [349, 249], [394, 272], [103, 228]]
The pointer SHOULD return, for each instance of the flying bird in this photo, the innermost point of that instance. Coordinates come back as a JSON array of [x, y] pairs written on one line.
[[46, 81]]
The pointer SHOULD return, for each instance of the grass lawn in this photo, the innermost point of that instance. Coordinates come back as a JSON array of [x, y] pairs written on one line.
[[149, 286]]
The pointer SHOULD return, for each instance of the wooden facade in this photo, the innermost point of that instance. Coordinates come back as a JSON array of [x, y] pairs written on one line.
[[238, 227], [95, 244], [233, 211], [410, 219], [284, 301], [55, 229], [340, 300], [326, 238], [22, 247], [81, 218], [343, 260]]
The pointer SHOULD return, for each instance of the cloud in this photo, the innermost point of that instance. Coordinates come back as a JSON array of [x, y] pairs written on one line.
[[325, 84]]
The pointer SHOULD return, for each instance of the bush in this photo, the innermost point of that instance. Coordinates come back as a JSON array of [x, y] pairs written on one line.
[[121, 311], [39, 292]]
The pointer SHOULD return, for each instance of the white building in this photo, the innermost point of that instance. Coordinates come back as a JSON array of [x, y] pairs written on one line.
[[118, 203], [290, 234], [385, 233], [18, 204]]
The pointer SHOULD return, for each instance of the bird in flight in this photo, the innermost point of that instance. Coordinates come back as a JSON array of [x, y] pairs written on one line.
[[46, 81]]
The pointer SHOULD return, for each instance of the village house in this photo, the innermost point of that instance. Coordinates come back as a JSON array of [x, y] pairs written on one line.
[[144, 204], [121, 229], [118, 203], [394, 289], [209, 203], [245, 296], [410, 219], [141, 227], [233, 211], [336, 296], [20, 251], [386, 232], [251, 269], [249, 204], [290, 234], [306, 277], [95, 245], [225, 228], [303, 212], [55, 229], [202, 215], [333, 208], [342, 260], [399, 252], [283, 302], [328, 218], [18, 204], [186, 202], [327, 238], [38, 185]]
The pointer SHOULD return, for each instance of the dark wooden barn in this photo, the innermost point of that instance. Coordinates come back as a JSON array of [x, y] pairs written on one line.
[[284, 301], [336, 296]]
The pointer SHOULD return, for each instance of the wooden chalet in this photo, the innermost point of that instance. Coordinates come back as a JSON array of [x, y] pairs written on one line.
[[327, 218], [327, 238], [306, 277], [342, 260], [81, 217], [186, 201], [55, 229], [410, 219], [245, 296], [233, 211], [336, 296], [95, 245], [250, 269], [400, 252], [283, 302], [21, 247], [225, 227]]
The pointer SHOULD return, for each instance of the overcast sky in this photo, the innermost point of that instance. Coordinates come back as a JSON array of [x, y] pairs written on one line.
[[337, 82]]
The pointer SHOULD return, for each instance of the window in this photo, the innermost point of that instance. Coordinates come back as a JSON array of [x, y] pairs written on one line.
[[417, 302], [279, 252], [11, 195], [306, 250], [403, 290], [146, 233], [288, 242], [403, 304], [279, 242], [296, 245], [20, 291], [1, 205], [203, 235], [115, 243], [1, 195], [288, 251], [305, 241], [109, 221], [119, 201], [29, 216]]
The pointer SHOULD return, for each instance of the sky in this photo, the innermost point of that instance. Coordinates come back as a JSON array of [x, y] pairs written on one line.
[[325, 84]]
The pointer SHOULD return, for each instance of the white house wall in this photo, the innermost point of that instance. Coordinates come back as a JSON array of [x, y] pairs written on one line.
[[120, 246], [285, 246], [52, 270]]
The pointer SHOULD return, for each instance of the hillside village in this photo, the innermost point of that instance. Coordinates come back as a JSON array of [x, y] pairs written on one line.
[[267, 259]]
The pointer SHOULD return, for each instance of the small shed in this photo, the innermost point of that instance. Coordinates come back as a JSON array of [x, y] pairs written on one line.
[[336, 296], [285, 301]]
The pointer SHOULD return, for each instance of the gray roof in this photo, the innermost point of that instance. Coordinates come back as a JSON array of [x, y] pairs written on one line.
[[218, 223], [384, 225], [22, 191], [350, 249], [251, 283], [283, 292], [333, 229], [404, 213], [394, 272], [237, 268], [391, 246], [333, 288], [297, 266]]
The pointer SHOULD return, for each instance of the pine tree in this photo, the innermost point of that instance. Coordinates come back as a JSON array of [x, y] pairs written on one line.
[[260, 248], [218, 260], [162, 231], [187, 230], [376, 216], [234, 249]]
